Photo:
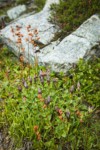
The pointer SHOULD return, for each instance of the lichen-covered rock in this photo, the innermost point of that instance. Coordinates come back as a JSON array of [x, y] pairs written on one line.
[[83, 43], [15, 12]]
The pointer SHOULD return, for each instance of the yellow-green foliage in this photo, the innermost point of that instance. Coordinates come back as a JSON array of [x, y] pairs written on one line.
[[50, 112]]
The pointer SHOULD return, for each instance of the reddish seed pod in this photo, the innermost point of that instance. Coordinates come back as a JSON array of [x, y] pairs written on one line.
[[26, 39], [32, 42], [21, 58], [29, 26], [39, 137], [78, 113], [21, 35], [30, 34], [23, 49], [39, 96], [44, 106], [44, 74], [57, 109], [60, 117], [81, 121], [60, 112], [36, 128]]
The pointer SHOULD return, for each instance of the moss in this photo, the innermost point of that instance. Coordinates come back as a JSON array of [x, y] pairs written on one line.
[[70, 14], [4, 10], [21, 1], [39, 4]]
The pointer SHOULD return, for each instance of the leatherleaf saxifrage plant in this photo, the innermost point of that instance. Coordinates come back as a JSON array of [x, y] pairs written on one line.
[[50, 111]]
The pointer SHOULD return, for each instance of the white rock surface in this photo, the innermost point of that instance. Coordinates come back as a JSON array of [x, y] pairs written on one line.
[[60, 56], [16, 11]]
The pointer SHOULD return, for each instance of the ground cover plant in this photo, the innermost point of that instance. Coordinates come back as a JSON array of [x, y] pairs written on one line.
[[39, 4], [21, 1], [70, 14], [42, 110]]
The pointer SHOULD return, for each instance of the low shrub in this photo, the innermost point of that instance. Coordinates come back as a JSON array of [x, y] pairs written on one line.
[[39, 4], [21, 1], [52, 112], [69, 14]]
